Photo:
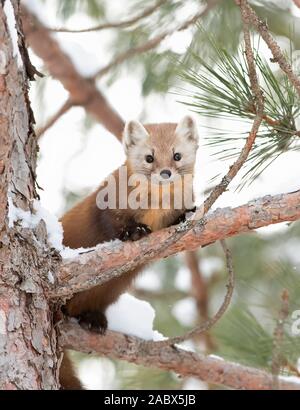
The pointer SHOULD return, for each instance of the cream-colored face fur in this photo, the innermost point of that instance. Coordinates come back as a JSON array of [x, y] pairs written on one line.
[[161, 142]]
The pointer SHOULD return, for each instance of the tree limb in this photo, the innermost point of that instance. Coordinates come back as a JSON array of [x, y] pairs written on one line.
[[135, 350], [118, 24], [297, 3], [278, 56], [111, 260], [83, 91]]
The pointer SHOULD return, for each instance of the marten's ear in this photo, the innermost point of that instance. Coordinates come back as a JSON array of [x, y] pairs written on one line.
[[187, 129], [134, 132]]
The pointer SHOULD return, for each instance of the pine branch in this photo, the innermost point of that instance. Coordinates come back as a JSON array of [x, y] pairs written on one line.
[[278, 55], [118, 24], [154, 42], [83, 91], [109, 261], [134, 350], [54, 118], [224, 90]]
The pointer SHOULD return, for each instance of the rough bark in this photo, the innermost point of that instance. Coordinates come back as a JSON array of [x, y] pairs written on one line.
[[27, 339], [112, 260], [278, 56], [83, 91], [135, 350]]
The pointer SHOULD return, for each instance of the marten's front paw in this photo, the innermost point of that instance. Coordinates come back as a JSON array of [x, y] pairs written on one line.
[[95, 321], [134, 233]]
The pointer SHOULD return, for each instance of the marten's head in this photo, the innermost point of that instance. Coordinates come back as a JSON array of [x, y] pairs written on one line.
[[162, 150]]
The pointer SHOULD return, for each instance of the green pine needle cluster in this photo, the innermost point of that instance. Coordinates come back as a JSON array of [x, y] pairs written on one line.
[[221, 90]]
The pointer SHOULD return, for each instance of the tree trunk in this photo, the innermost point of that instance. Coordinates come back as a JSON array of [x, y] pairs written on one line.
[[28, 358]]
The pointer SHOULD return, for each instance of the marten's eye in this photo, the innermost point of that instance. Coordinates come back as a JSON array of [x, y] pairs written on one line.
[[177, 156], [149, 159]]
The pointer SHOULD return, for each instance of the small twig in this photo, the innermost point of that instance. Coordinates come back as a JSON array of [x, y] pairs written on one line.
[[120, 24], [55, 117], [278, 56], [199, 290], [204, 327], [134, 350], [154, 42], [277, 357]]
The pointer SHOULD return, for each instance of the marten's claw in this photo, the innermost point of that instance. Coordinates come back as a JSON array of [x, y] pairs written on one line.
[[94, 321], [134, 233]]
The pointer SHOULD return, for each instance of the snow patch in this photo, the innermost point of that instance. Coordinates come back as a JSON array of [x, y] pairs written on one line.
[[51, 277], [54, 228], [211, 265], [29, 220], [11, 22], [96, 373], [288, 250], [132, 316], [69, 253], [213, 356], [183, 279], [194, 384], [149, 280], [185, 311], [187, 345], [293, 379]]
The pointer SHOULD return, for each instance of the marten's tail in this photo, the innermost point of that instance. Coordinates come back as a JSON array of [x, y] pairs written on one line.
[[67, 374]]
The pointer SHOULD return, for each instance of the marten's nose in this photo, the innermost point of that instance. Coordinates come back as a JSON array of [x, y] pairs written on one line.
[[165, 173]]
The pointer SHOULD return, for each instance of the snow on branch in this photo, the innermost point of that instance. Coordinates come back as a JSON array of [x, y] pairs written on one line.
[[111, 260], [135, 350]]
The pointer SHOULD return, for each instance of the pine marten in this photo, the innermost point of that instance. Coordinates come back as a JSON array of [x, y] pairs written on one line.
[[166, 151]]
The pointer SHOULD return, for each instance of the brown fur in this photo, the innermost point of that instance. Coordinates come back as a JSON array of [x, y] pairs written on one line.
[[86, 225]]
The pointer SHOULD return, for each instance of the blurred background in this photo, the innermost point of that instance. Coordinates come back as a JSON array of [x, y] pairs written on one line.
[[163, 84]]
